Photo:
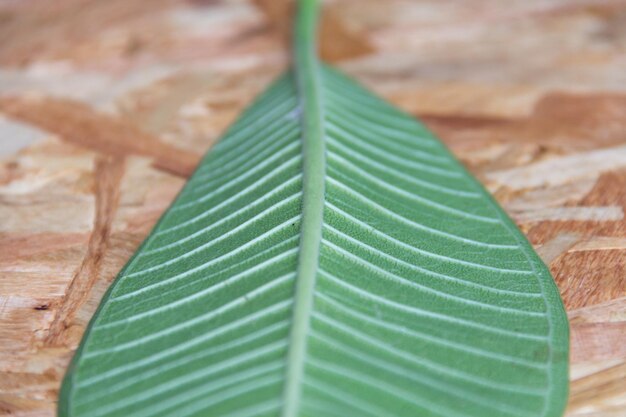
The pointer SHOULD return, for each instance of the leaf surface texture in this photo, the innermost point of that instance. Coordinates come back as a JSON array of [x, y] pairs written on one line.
[[418, 296]]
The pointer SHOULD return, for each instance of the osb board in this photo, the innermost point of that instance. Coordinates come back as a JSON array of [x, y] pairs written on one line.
[[105, 107]]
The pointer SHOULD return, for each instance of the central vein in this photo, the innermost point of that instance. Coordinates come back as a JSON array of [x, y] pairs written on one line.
[[307, 74]]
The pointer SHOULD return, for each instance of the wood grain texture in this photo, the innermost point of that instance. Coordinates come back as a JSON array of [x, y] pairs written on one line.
[[116, 100]]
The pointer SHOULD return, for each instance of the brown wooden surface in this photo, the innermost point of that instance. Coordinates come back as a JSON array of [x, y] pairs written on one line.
[[105, 107]]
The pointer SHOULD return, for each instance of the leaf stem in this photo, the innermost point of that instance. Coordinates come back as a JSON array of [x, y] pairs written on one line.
[[307, 75]]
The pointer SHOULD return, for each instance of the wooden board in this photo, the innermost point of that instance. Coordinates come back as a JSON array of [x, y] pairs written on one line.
[[106, 106]]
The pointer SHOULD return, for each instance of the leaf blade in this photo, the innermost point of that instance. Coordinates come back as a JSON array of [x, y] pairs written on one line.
[[328, 257]]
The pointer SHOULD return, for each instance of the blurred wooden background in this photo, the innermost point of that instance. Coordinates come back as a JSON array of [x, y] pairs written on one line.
[[106, 106]]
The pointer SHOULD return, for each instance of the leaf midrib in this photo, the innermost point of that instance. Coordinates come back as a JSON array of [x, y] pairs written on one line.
[[307, 75]]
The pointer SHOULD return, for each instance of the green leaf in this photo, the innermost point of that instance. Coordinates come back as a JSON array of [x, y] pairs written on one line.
[[329, 258]]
